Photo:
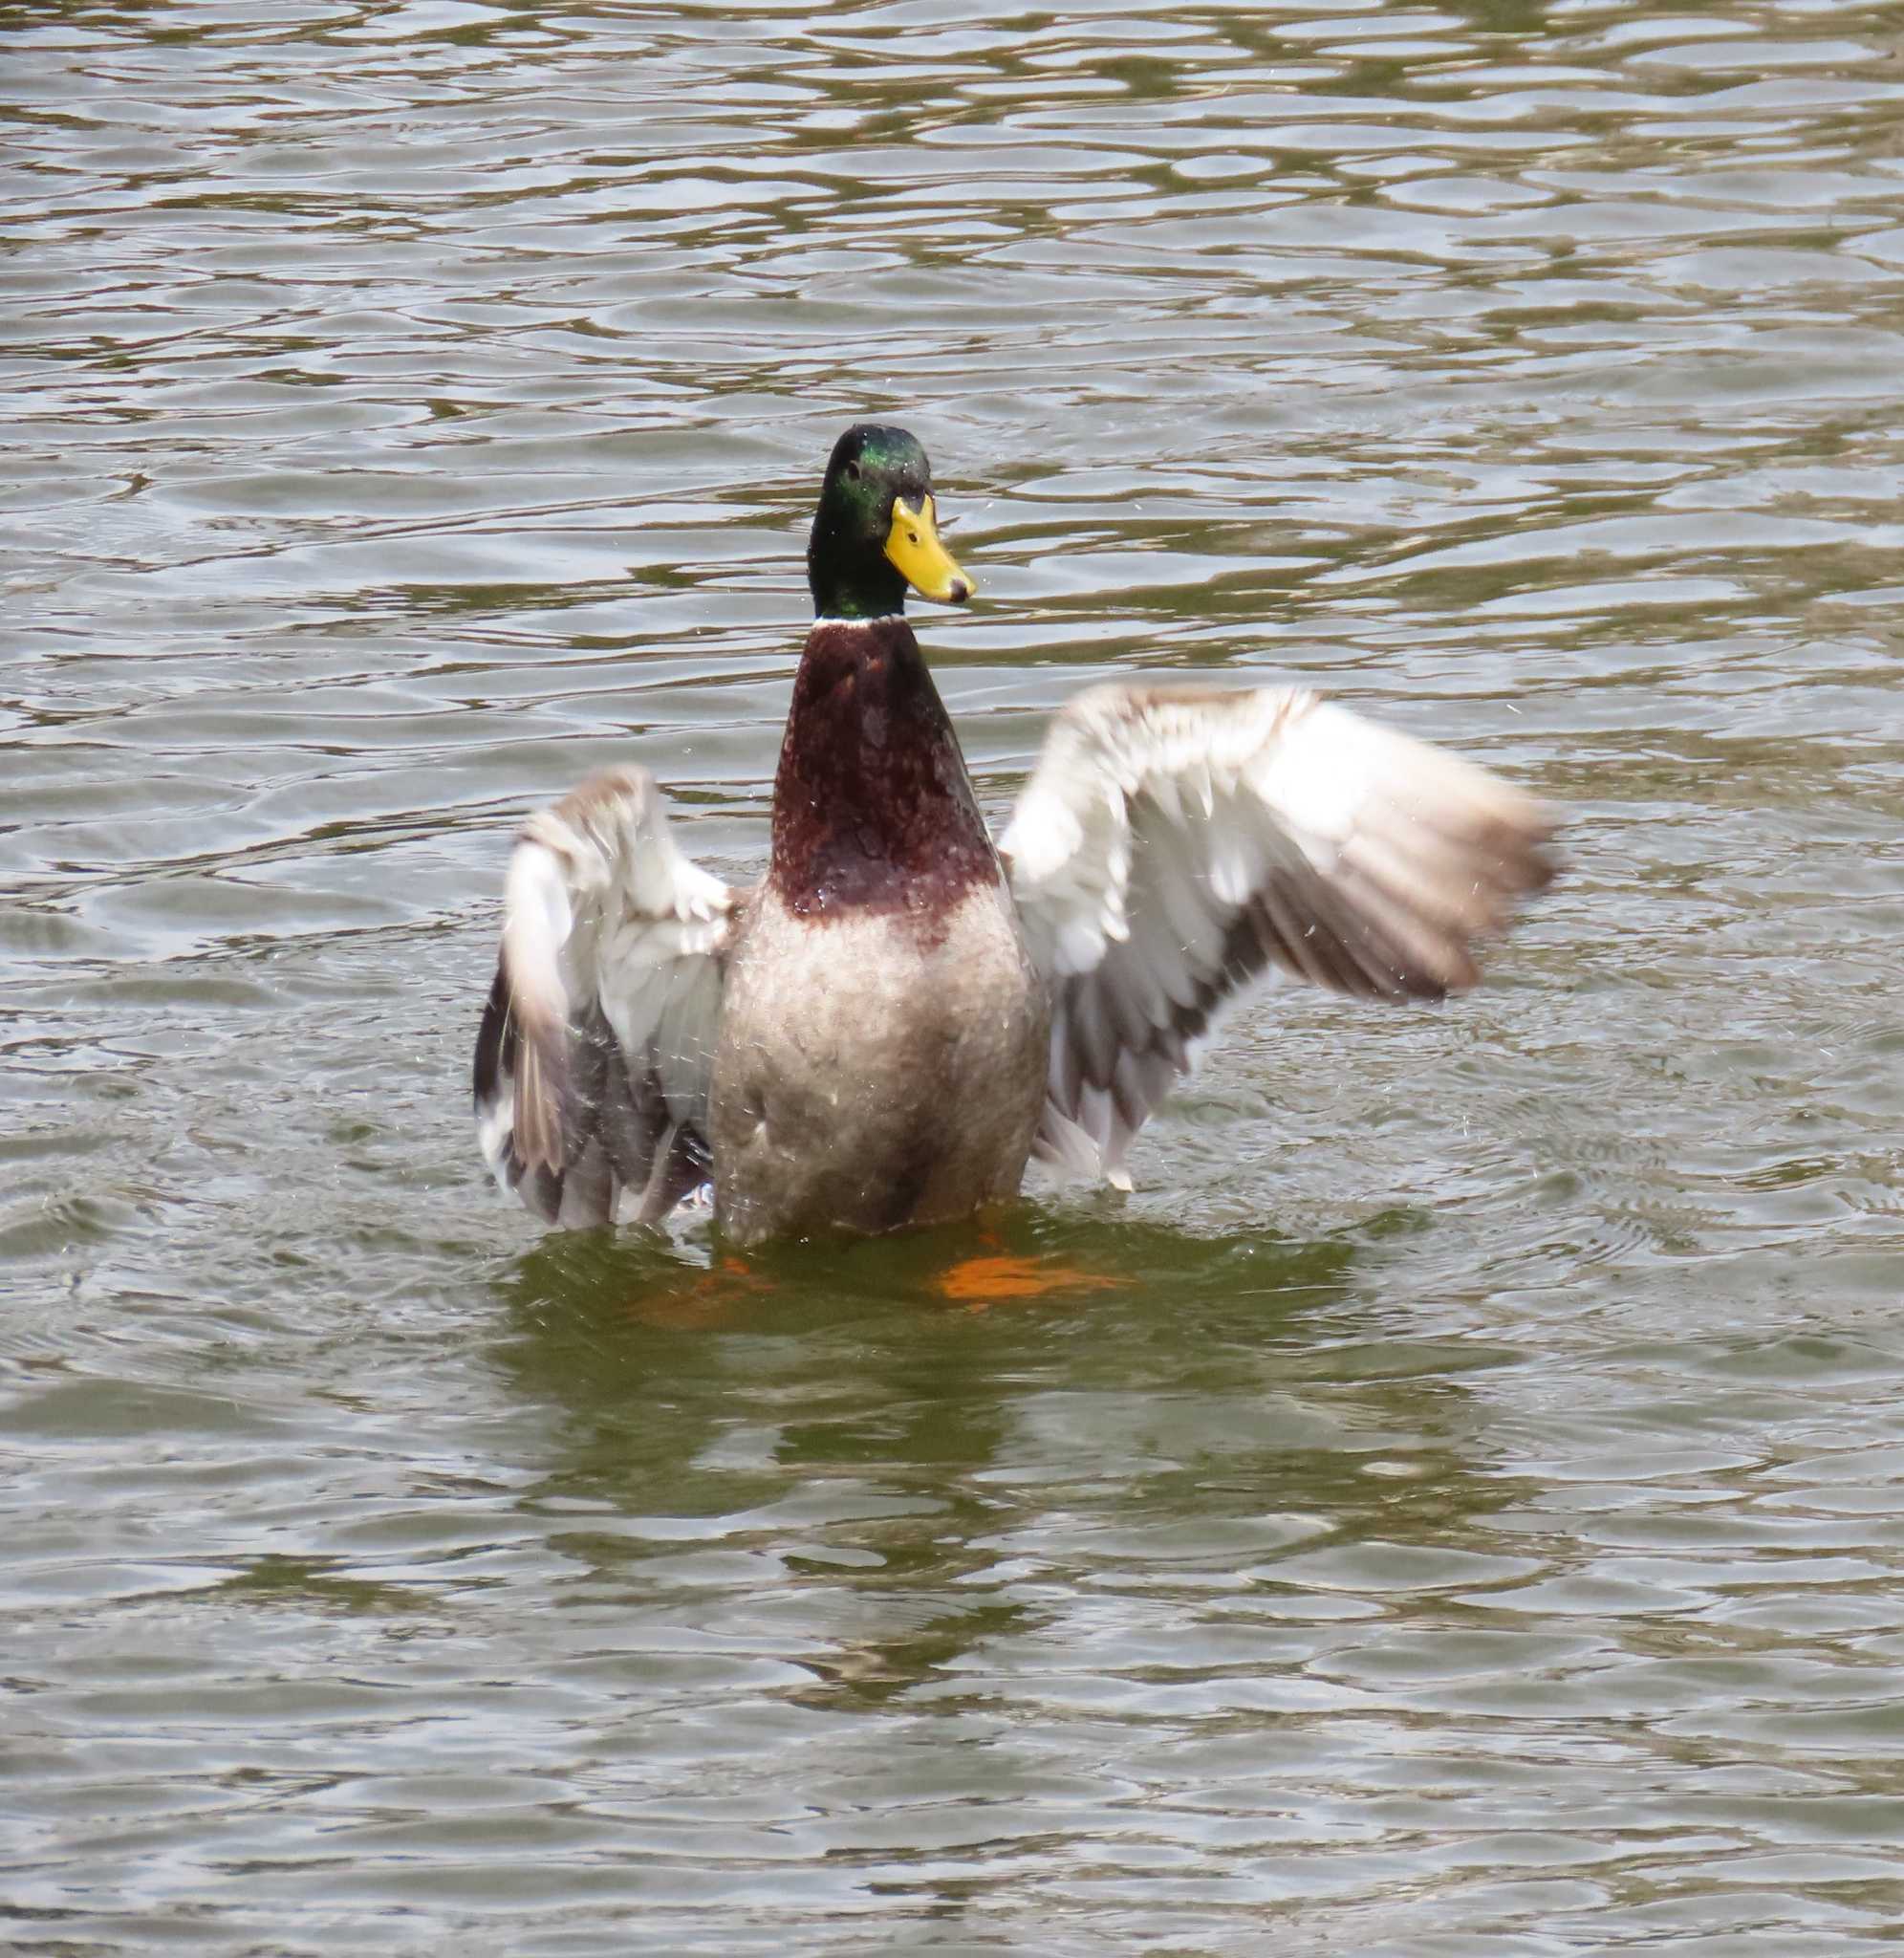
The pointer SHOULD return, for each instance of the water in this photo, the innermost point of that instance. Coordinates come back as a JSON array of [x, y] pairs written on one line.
[[1460, 1507]]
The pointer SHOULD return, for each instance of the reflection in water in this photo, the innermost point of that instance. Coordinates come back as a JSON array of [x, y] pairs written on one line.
[[825, 1421], [1468, 1516]]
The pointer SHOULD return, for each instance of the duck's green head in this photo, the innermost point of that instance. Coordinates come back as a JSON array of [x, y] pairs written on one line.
[[874, 532]]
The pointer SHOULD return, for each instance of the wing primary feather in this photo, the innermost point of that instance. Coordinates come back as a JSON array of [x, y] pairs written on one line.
[[1066, 1076], [1294, 932], [1095, 1034]]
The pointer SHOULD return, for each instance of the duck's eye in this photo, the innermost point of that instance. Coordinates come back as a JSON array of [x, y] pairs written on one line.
[[850, 471]]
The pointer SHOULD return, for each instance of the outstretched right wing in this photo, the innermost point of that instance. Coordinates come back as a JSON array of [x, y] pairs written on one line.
[[1178, 844], [596, 1046]]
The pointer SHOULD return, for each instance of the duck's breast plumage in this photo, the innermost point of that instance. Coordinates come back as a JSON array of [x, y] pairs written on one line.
[[884, 1031], [873, 1073]]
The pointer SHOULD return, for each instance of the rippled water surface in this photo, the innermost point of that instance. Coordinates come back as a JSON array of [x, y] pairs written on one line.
[[1460, 1508]]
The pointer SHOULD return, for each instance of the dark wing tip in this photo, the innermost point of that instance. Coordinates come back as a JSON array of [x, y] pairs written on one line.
[[504, 1066], [495, 1044]]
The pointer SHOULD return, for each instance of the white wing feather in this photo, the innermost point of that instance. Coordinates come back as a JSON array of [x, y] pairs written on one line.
[[1174, 844], [594, 1054]]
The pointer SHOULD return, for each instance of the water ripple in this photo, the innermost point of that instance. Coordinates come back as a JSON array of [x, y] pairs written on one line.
[[1468, 1517]]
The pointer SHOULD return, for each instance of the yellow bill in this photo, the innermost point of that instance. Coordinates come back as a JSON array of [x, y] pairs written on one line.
[[924, 563]]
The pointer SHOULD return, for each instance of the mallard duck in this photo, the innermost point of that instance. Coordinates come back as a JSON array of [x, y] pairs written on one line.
[[902, 1013]]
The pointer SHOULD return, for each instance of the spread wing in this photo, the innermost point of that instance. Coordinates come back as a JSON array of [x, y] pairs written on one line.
[[596, 1048], [1174, 844]]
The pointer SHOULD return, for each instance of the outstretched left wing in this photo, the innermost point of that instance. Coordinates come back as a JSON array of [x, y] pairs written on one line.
[[597, 1043], [1177, 844]]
